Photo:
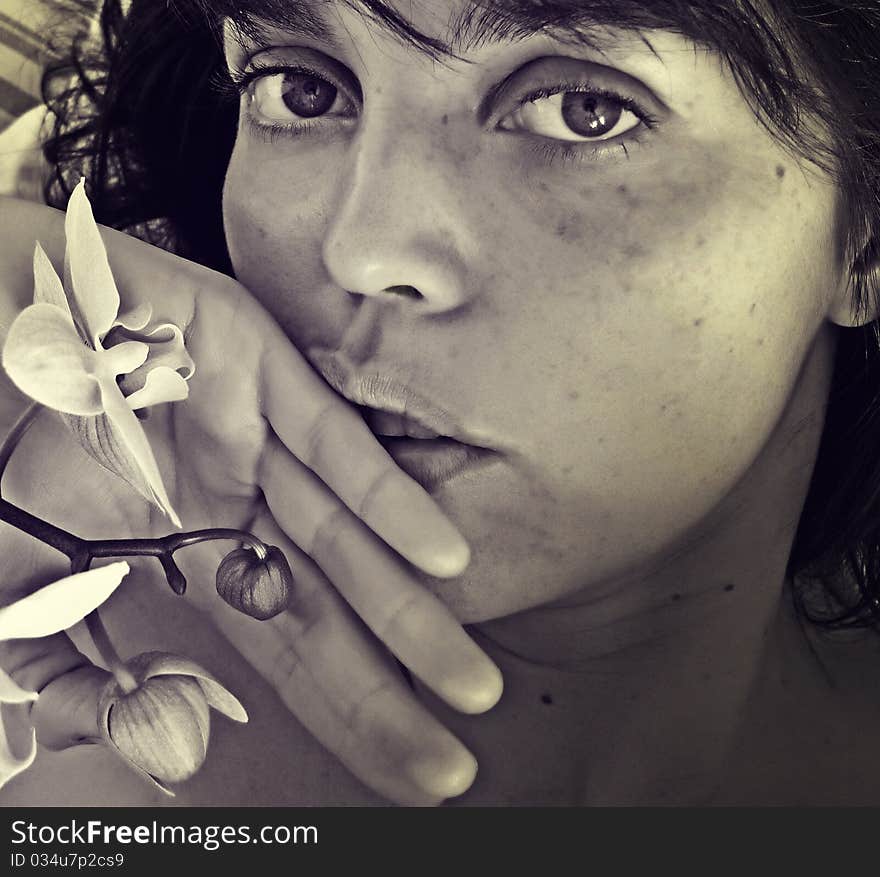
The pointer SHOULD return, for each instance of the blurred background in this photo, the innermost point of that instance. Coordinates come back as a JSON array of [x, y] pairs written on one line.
[[24, 27]]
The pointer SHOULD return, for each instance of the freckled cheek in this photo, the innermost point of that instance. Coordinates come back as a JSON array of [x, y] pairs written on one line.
[[621, 322]]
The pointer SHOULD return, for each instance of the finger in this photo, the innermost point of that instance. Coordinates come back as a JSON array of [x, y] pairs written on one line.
[[66, 711], [346, 691], [328, 435], [420, 631]]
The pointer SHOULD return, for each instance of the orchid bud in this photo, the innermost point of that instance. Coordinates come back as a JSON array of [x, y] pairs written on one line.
[[258, 587], [162, 726]]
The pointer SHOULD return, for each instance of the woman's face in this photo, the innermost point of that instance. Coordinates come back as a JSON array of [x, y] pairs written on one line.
[[597, 263]]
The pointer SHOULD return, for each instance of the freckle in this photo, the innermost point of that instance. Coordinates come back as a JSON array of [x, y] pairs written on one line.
[[730, 350], [623, 189], [780, 171], [561, 229], [701, 241], [752, 308], [547, 698], [634, 251], [444, 120], [574, 395], [567, 470], [706, 677], [760, 342], [663, 407], [728, 588], [698, 321], [600, 440], [543, 187], [676, 598]]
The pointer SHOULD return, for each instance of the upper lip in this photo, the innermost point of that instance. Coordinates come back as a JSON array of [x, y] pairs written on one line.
[[381, 392]]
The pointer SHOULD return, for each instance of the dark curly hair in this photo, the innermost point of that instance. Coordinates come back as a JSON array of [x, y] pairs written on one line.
[[148, 114]]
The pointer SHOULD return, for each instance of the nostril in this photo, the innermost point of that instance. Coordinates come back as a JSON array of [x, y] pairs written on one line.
[[406, 291]]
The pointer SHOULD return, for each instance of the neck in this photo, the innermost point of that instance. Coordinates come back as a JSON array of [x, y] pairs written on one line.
[[636, 691]]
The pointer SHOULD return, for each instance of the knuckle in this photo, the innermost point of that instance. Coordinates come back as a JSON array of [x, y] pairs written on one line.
[[287, 666], [393, 627], [358, 718], [373, 491], [315, 436], [328, 532]]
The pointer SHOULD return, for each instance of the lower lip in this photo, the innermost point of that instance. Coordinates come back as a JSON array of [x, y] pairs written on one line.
[[433, 462]]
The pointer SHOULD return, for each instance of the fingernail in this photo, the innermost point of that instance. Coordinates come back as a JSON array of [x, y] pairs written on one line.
[[451, 558], [443, 776], [474, 692], [483, 695]]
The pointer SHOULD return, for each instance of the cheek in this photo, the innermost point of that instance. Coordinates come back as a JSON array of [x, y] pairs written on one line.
[[274, 216], [647, 340]]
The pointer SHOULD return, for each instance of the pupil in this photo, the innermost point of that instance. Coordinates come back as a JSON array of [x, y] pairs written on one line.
[[590, 115], [307, 95]]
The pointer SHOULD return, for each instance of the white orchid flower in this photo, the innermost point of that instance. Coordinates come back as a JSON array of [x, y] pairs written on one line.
[[47, 611], [73, 352]]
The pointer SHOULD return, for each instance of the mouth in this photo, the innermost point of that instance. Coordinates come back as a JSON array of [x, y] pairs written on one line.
[[422, 438]]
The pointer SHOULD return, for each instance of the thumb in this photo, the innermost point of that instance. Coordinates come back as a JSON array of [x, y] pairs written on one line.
[[66, 712]]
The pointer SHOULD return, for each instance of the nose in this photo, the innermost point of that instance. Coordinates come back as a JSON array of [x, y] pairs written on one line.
[[397, 230]]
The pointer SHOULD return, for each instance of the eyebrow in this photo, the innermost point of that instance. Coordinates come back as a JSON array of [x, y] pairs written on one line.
[[477, 24]]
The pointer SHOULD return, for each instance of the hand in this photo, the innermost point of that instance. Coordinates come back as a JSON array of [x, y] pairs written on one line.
[[260, 423]]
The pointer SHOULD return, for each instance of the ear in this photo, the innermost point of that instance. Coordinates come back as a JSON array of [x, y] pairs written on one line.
[[864, 284]]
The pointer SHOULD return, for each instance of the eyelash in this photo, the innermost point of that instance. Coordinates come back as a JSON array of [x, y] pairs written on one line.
[[552, 150], [271, 132], [546, 148]]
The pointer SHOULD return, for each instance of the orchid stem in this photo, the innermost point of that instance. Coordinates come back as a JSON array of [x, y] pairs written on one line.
[[98, 631], [101, 638], [82, 552], [14, 436], [47, 533]]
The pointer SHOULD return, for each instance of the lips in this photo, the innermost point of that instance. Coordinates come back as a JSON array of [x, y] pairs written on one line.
[[422, 438], [387, 423]]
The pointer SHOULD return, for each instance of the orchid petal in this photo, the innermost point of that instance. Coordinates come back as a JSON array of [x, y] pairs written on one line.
[[10, 766], [171, 351], [104, 725], [163, 384], [60, 605], [167, 347], [151, 664], [101, 440], [48, 288], [131, 434], [88, 279], [13, 694], [135, 319], [123, 358], [45, 358]]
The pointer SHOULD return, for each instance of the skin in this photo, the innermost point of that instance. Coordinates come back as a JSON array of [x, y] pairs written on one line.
[[626, 332], [645, 337]]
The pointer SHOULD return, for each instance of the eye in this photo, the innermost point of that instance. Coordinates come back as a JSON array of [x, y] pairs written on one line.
[[291, 94], [310, 93], [578, 116]]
